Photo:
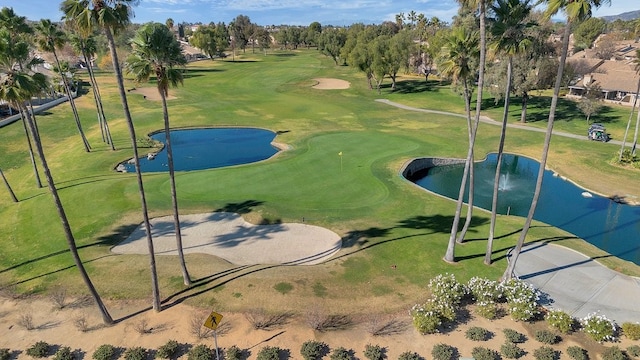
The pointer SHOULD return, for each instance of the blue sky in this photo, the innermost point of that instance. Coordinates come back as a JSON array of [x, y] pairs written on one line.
[[276, 12]]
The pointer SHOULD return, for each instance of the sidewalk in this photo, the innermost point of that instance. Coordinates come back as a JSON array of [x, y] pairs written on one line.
[[578, 284], [36, 109]]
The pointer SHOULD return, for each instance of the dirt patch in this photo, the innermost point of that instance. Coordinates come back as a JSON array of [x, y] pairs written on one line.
[[150, 93], [331, 84], [145, 328]]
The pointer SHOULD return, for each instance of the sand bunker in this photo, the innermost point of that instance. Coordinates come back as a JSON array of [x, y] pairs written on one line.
[[150, 93], [228, 236], [331, 84]]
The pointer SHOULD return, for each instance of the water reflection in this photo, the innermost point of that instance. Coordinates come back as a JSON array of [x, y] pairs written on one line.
[[206, 148], [611, 226]]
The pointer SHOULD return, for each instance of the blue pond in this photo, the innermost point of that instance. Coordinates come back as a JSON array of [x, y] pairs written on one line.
[[206, 148], [611, 226]]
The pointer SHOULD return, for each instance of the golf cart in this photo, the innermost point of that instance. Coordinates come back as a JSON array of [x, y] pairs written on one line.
[[598, 132]]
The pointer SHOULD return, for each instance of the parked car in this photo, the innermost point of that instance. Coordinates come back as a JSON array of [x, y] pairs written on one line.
[[598, 132]]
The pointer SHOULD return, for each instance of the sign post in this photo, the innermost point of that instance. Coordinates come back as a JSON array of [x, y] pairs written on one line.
[[212, 322]]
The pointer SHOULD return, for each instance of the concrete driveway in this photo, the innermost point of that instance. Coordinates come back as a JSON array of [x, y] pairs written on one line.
[[578, 284]]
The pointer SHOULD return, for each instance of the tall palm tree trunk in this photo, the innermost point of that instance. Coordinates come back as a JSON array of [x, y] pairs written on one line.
[[31, 156], [626, 131], [523, 112], [8, 186], [102, 119], [508, 274], [132, 134], [174, 198], [106, 318], [450, 253], [72, 102], [635, 136], [496, 178], [483, 54]]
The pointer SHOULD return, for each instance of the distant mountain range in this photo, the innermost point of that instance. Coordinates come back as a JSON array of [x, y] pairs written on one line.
[[629, 15]]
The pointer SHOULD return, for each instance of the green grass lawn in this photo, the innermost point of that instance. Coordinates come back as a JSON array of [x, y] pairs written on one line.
[[384, 219]]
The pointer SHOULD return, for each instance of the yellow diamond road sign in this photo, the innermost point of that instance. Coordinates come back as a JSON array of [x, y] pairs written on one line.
[[213, 320]]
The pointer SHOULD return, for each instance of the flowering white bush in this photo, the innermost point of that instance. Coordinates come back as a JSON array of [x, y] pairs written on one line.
[[445, 288], [522, 300], [426, 319], [598, 327], [483, 289], [559, 320]]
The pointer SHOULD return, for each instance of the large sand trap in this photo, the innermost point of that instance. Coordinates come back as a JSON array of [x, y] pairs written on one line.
[[151, 93], [228, 236], [331, 84]]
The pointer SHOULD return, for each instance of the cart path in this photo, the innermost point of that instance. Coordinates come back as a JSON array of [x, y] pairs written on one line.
[[488, 120]]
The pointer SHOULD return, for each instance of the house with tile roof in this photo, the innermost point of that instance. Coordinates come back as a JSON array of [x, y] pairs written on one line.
[[617, 78]]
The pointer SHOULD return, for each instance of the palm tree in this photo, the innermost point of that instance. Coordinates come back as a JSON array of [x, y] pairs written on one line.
[[156, 51], [635, 135], [456, 62], [110, 16], [169, 23], [50, 38], [633, 107], [17, 28], [482, 5], [8, 186], [510, 38], [85, 44], [17, 87], [575, 10]]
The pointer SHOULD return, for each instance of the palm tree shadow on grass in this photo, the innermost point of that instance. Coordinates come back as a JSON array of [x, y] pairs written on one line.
[[416, 86]]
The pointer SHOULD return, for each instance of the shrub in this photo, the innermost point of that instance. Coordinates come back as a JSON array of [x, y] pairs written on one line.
[[168, 350], [514, 336], [598, 327], [482, 289], [522, 300], [631, 330], [443, 352], [426, 318], [408, 355], [374, 352], [560, 320], [200, 352], [577, 353], [104, 352], [483, 353], [545, 353], [64, 353], [26, 321], [312, 349], [233, 353], [446, 289], [614, 353], [340, 354], [5, 354], [634, 350], [38, 350], [511, 351], [488, 309], [477, 333], [269, 353], [546, 337], [135, 353]]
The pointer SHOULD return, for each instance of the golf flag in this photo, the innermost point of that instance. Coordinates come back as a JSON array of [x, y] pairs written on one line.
[[340, 153]]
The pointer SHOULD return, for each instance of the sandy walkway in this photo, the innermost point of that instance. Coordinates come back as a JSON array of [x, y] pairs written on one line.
[[331, 84], [228, 236]]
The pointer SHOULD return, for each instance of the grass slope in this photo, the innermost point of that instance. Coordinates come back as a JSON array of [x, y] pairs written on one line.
[[394, 233]]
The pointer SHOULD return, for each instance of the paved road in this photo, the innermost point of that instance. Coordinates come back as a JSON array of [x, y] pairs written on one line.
[[488, 120], [578, 284]]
